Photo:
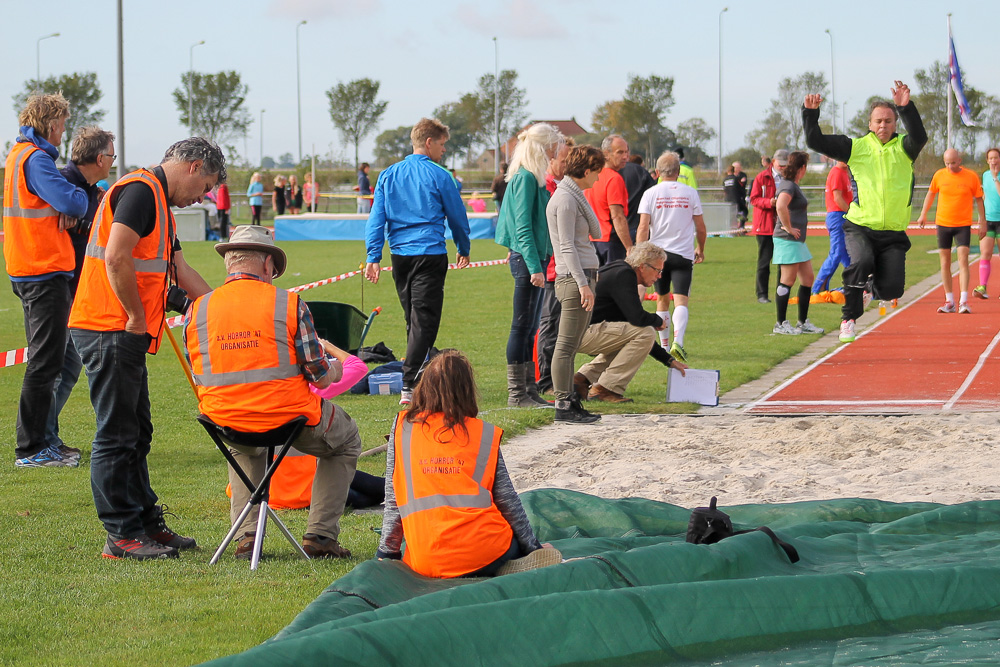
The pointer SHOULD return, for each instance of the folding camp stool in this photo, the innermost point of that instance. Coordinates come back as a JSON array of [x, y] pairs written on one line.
[[285, 434]]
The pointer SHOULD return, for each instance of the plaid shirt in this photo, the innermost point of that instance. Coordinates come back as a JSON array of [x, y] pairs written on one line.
[[309, 352]]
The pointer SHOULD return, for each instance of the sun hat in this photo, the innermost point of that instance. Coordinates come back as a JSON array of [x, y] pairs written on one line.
[[254, 237]]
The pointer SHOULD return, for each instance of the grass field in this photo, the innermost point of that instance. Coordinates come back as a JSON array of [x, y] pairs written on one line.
[[67, 606]]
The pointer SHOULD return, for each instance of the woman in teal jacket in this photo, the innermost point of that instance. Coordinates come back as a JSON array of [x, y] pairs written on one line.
[[522, 227]]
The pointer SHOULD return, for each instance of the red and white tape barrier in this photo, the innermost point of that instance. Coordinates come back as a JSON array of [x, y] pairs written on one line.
[[14, 357]]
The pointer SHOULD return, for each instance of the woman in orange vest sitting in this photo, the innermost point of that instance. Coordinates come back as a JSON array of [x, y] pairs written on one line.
[[451, 497]]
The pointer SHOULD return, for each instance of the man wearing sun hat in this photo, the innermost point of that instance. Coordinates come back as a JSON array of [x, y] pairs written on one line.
[[254, 352]]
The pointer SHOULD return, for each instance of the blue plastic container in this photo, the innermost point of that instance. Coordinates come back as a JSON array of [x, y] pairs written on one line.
[[385, 383]]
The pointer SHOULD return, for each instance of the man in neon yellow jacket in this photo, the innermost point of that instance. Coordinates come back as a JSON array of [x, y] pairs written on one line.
[[881, 168]]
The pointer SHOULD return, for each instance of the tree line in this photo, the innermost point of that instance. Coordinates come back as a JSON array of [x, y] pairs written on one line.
[[496, 109]]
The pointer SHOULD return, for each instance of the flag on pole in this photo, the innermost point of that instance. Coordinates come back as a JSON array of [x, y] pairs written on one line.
[[956, 81]]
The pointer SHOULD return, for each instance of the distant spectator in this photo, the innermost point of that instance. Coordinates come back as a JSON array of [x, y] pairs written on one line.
[[477, 204], [764, 197], [294, 195], [278, 197], [741, 194], [458, 180], [687, 173], [499, 186], [254, 195], [364, 189], [310, 191], [223, 204]]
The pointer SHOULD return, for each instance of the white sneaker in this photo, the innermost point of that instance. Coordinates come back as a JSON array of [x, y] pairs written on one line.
[[405, 396], [808, 327], [785, 329], [963, 309], [948, 307], [866, 299], [847, 331]]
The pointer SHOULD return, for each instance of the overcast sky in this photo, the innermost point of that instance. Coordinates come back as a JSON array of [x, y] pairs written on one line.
[[570, 56]]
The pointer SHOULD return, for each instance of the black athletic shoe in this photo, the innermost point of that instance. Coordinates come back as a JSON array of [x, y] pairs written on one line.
[[572, 416], [136, 548], [158, 531]]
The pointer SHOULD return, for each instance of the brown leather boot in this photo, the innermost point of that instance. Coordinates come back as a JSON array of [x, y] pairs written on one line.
[[317, 546], [599, 393], [581, 385]]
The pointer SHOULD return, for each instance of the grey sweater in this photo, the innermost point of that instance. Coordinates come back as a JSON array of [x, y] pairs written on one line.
[[570, 231]]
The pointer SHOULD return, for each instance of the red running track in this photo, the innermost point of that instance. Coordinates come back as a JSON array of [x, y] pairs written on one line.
[[913, 360]]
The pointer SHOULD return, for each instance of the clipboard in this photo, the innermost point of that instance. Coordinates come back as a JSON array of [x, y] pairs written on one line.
[[697, 386]]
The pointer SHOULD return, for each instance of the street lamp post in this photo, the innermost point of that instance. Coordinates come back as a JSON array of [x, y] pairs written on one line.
[[298, 85], [718, 160], [496, 105], [191, 87], [833, 85], [38, 58], [262, 138], [121, 96]]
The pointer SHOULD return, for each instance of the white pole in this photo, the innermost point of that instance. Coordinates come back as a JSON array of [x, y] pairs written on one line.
[[833, 85], [262, 138], [298, 85], [496, 105], [38, 59], [190, 87], [315, 186], [718, 160], [122, 164], [949, 91]]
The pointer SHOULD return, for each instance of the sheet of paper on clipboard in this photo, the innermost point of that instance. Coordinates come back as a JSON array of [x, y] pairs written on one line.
[[697, 386]]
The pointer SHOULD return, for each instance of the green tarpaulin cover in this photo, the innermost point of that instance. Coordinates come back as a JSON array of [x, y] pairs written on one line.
[[878, 583]]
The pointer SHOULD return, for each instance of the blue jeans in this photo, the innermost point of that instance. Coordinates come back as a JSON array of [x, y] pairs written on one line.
[[838, 252], [46, 305], [119, 392], [72, 365], [527, 310]]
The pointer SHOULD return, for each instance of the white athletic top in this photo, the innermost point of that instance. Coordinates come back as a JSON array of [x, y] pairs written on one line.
[[671, 207]]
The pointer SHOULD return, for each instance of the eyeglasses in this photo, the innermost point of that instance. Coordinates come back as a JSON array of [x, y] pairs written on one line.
[[659, 272], [110, 155]]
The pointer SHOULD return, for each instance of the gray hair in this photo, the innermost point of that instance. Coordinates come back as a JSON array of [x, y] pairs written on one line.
[[668, 164], [608, 140], [241, 257], [645, 252], [89, 142], [199, 148]]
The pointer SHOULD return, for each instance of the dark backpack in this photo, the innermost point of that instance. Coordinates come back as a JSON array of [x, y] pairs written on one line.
[[708, 525]]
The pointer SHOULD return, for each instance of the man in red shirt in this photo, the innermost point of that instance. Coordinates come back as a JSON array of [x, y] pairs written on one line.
[[764, 198], [959, 188], [838, 199], [609, 199]]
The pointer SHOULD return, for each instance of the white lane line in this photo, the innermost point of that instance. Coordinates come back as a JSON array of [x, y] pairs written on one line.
[[765, 399], [902, 401], [973, 373]]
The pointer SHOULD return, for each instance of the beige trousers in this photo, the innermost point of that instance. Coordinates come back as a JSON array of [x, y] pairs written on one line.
[[336, 443], [620, 349]]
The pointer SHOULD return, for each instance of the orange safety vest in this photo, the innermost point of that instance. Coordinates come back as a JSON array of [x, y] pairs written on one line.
[[443, 482], [96, 306], [33, 244], [292, 482], [241, 342]]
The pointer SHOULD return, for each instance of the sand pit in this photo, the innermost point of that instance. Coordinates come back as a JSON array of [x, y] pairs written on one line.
[[686, 459]]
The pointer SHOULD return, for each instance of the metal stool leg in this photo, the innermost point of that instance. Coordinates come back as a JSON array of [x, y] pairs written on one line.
[[231, 535], [287, 533], [258, 542]]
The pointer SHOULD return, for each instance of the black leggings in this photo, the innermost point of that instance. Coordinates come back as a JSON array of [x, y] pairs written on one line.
[[256, 214], [366, 490]]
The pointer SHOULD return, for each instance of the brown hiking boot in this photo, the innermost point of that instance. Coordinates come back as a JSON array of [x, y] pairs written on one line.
[[599, 393], [317, 546], [581, 385], [244, 546]]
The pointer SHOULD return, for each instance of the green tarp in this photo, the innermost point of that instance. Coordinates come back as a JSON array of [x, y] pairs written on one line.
[[878, 583]]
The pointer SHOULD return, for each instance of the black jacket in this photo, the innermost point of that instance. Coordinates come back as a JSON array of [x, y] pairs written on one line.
[[616, 299]]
